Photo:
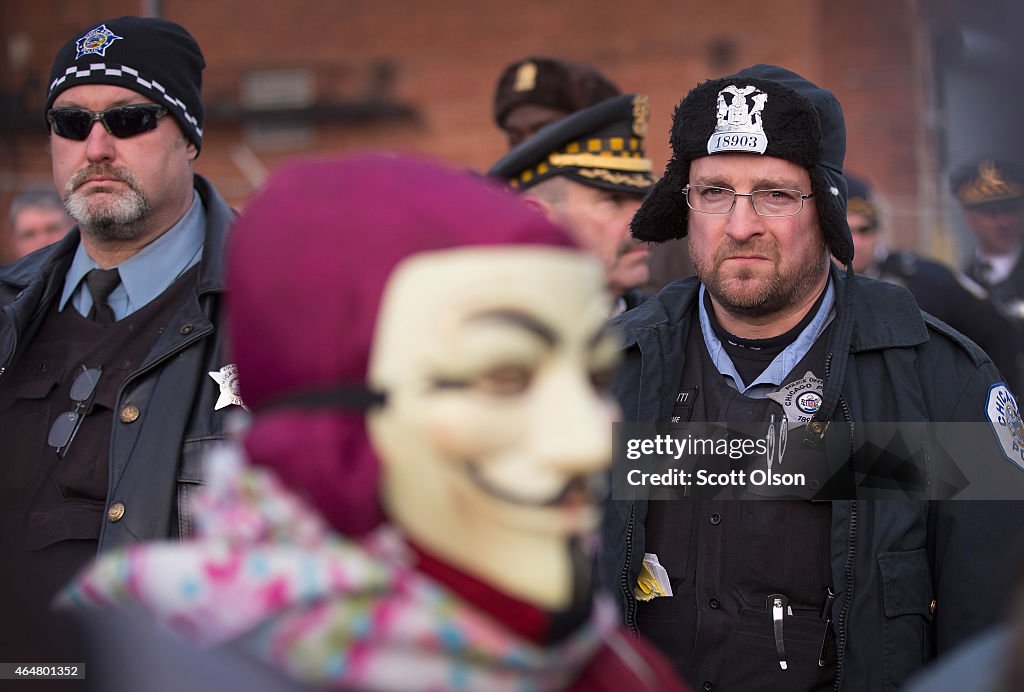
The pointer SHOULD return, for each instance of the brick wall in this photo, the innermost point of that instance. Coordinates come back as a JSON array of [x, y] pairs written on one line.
[[447, 55]]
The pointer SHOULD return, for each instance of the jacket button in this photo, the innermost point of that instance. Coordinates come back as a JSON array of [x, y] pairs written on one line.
[[932, 607], [716, 518], [187, 329], [708, 685], [715, 603], [115, 512], [130, 413]]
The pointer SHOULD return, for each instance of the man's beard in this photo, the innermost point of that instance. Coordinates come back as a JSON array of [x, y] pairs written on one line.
[[121, 216], [774, 292]]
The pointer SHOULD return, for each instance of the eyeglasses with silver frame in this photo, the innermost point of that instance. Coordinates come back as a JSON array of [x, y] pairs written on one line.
[[711, 199], [64, 429]]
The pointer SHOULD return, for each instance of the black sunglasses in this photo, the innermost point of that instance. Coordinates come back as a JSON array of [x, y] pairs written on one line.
[[122, 121], [64, 429]]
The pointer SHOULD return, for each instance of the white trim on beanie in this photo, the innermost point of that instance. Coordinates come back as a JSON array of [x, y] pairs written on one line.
[[74, 72]]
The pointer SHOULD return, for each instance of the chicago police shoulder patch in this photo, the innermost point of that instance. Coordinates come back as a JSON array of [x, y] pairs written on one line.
[[1003, 415]]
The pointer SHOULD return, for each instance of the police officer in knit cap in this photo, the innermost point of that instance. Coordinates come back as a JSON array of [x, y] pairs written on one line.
[[589, 173], [112, 371], [536, 91], [795, 594], [946, 293]]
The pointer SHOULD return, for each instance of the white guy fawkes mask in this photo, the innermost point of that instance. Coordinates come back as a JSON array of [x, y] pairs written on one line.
[[496, 436]]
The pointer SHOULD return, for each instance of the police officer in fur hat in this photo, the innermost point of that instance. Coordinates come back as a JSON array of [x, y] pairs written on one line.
[[113, 378], [589, 173], [537, 90], [793, 594]]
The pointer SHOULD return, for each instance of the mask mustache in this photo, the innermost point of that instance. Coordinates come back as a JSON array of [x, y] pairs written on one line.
[[593, 487]]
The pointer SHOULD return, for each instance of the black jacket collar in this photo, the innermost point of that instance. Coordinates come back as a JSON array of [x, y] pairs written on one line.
[[885, 315]]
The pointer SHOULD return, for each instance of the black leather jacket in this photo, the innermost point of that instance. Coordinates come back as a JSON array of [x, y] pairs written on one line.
[[154, 460]]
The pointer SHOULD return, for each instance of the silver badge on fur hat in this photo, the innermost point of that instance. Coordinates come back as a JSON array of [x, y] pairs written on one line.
[[96, 42], [739, 125]]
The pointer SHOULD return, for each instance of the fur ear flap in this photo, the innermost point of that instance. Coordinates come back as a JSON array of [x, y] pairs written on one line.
[[663, 214], [832, 211]]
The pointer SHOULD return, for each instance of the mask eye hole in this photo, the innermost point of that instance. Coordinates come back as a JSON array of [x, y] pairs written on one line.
[[507, 380]]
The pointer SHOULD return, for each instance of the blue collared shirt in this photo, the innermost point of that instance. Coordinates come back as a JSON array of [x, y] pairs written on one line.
[[773, 376], [147, 274]]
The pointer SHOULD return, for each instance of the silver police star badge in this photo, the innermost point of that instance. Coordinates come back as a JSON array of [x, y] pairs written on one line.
[[800, 400], [227, 378]]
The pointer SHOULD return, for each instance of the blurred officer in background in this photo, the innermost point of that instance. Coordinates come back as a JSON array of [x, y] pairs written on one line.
[[946, 293], [38, 219], [536, 91], [589, 173]]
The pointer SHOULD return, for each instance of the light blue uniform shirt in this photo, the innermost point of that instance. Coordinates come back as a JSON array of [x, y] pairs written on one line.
[[147, 274], [773, 376]]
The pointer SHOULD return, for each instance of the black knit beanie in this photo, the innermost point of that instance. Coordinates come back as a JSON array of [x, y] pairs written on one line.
[[154, 57], [765, 110]]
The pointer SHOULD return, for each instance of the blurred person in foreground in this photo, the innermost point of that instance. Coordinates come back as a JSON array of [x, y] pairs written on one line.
[[946, 293], [37, 219], [536, 91], [589, 173], [844, 577], [112, 370], [414, 503]]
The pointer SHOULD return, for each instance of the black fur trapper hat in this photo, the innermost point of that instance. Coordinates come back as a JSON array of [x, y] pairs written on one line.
[[765, 110]]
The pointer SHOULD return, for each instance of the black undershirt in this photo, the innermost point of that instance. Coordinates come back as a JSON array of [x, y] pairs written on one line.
[[752, 356]]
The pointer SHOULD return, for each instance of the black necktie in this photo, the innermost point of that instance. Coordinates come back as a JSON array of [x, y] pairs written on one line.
[[101, 282], [983, 271]]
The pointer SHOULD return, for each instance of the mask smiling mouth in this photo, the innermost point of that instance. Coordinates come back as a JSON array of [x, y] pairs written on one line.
[[579, 490]]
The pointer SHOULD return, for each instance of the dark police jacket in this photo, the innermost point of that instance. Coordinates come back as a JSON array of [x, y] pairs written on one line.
[[889, 559], [962, 304], [154, 460]]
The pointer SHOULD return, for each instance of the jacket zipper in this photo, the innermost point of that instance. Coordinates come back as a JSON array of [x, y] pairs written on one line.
[[847, 597], [851, 548], [624, 577]]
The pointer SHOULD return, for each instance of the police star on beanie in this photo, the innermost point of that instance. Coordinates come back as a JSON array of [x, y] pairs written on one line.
[[764, 110], [154, 57]]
